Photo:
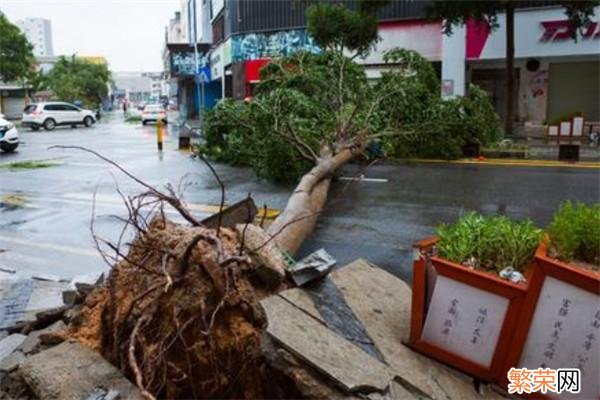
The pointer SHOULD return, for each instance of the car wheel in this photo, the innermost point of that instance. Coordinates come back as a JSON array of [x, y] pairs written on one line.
[[49, 124], [9, 147], [88, 121], [35, 128]]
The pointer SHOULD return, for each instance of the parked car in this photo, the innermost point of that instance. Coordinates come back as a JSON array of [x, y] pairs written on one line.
[[154, 112], [9, 137], [51, 114]]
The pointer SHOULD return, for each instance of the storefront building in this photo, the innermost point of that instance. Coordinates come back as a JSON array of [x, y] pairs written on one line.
[[555, 76], [247, 34]]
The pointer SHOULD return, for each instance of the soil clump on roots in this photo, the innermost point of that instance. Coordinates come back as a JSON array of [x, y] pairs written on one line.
[[180, 315]]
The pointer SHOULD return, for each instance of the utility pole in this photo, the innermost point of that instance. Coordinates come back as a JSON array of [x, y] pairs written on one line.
[[197, 63]]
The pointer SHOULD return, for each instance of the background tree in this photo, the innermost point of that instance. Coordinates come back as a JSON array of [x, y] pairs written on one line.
[[74, 79], [16, 53], [456, 13]]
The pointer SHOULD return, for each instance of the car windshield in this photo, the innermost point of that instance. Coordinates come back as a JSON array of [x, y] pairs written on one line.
[[30, 108], [153, 108]]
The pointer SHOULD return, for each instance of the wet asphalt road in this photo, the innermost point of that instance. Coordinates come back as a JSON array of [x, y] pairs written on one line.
[[45, 213]]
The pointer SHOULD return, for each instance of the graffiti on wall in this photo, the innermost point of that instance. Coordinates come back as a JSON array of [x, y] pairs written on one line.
[[254, 46], [183, 63]]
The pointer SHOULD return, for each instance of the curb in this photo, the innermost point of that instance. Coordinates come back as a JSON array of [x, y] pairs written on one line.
[[511, 163]]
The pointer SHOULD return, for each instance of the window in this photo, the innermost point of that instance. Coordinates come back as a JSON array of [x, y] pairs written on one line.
[[30, 108], [68, 107], [52, 107]]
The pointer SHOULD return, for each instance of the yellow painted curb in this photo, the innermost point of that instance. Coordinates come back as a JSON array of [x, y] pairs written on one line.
[[512, 163]]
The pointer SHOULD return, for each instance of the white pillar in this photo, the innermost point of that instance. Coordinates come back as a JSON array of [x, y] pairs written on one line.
[[453, 63]]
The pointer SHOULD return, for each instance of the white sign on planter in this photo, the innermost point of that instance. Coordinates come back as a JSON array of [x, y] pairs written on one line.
[[464, 320], [565, 333]]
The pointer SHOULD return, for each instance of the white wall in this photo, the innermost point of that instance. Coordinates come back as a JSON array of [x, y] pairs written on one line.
[[529, 37], [453, 63]]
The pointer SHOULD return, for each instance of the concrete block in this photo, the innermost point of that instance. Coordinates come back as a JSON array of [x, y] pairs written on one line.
[[347, 365], [10, 363], [46, 294], [73, 371], [33, 339], [10, 344]]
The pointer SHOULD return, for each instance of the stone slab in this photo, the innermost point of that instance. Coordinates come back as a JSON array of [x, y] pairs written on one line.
[[11, 362], [10, 344], [382, 303], [46, 294], [301, 299], [33, 339], [72, 371], [14, 298], [347, 365]]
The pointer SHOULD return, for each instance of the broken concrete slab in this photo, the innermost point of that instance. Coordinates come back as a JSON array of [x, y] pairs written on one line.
[[271, 264], [302, 300], [382, 303], [46, 294], [33, 339], [11, 362], [347, 365], [10, 344], [15, 295], [72, 371]]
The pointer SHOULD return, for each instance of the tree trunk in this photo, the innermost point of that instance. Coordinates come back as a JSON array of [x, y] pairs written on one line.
[[510, 68], [298, 219]]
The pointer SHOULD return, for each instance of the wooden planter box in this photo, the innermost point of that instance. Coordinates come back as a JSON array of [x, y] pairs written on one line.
[[462, 317], [560, 322]]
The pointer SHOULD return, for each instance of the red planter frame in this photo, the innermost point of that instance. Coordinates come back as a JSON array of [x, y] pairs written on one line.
[[515, 293], [545, 266]]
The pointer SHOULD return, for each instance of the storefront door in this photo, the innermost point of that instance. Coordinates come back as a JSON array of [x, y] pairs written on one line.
[[574, 87]]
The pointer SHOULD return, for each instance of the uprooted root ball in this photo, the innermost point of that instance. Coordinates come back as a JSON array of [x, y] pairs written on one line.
[[180, 316]]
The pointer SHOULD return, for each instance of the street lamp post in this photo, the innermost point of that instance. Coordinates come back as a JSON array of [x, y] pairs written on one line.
[[199, 85]]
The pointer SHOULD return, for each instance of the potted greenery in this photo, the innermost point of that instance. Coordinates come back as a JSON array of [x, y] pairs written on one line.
[[560, 316], [468, 290], [574, 237]]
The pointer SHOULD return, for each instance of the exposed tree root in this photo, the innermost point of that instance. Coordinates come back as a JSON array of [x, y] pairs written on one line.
[[189, 324]]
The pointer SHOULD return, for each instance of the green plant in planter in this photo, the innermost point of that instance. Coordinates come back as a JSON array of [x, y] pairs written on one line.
[[490, 243], [575, 232]]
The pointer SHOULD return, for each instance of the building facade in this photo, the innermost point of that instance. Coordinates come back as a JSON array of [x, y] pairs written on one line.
[[555, 76], [39, 33]]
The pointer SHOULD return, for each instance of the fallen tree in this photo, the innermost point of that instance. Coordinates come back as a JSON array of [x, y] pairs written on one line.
[[312, 113]]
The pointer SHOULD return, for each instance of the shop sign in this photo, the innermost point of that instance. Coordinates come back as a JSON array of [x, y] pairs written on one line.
[[183, 63], [538, 32], [256, 46], [563, 30]]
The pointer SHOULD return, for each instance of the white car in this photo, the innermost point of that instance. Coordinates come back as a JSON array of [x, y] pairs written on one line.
[[154, 112], [51, 114], [9, 137]]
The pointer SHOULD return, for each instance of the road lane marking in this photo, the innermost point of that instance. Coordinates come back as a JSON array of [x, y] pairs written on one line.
[[82, 251], [363, 179]]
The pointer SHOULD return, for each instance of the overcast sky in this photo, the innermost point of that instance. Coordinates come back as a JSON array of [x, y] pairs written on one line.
[[129, 33]]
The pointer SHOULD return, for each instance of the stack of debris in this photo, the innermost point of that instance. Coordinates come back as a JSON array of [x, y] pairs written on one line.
[[38, 362], [196, 312]]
